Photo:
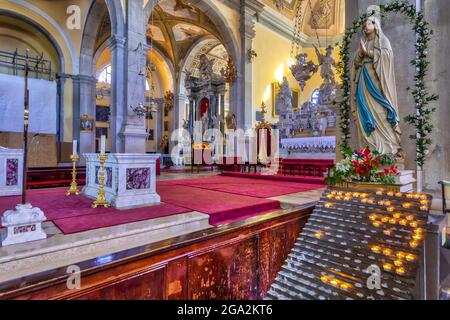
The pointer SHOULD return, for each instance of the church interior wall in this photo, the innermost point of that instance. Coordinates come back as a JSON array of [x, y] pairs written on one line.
[[273, 55]]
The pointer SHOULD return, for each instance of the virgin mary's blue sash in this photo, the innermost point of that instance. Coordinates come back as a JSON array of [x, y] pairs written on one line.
[[365, 115]]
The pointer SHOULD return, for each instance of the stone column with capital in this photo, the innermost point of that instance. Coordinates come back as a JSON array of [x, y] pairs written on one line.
[[117, 46], [60, 83], [84, 105], [250, 11], [134, 134]]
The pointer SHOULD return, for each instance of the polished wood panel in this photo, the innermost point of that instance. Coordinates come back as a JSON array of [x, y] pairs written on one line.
[[236, 261]]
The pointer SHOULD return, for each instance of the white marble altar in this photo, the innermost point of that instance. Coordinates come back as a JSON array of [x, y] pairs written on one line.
[[130, 179], [23, 225], [11, 171]]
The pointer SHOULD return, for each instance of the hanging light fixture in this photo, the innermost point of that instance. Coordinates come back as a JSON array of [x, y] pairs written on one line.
[[302, 70]]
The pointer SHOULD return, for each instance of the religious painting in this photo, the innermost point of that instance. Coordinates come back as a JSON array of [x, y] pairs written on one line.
[[179, 8], [86, 124], [102, 113], [155, 33], [183, 31]]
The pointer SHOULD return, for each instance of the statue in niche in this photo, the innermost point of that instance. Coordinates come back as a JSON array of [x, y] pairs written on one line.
[[374, 89], [217, 121], [231, 121], [205, 122], [284, 97], [206, 67]]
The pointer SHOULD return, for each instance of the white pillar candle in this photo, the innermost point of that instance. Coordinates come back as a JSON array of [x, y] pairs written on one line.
[[74, 147], [102, 145]]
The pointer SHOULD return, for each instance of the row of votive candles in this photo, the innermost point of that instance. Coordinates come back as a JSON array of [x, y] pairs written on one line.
[[102, 146]]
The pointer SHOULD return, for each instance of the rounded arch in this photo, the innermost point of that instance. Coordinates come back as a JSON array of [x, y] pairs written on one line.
[[49, 27], [47, 35], [91, 26], [189, 58], [220, 22]]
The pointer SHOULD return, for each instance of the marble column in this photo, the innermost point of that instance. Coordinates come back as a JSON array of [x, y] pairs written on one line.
[[60, 83], [117, 46], [134, 134], [84, 104], [177, 115], [250, 10]]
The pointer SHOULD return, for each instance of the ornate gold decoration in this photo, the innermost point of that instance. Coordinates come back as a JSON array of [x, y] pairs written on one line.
[[251, 55], [263, 124], [230, 72], [164, 142], [73, 186], [101, 198], [169, 101]]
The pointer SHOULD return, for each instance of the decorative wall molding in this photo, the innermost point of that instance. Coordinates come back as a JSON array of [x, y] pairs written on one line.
[[286, 30]]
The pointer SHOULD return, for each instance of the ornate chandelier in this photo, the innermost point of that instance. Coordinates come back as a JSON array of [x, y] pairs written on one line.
[[302, 70]]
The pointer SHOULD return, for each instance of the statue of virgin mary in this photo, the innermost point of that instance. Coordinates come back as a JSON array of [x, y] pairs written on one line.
[[374, 90]]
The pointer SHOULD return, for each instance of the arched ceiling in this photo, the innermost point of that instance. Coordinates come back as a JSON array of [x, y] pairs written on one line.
[[175, 26], [320, 17]]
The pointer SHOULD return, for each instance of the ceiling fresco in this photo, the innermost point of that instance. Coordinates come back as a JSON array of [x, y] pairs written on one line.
[[175, 26]]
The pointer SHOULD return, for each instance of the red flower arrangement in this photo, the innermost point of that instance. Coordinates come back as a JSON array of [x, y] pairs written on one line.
[[365, 166]]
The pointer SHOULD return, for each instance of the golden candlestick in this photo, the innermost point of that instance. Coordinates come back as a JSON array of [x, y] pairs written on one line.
[[101, 199], [73, 185]]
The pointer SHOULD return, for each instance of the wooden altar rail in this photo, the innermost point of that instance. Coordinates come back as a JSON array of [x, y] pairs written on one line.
[[236, 261]]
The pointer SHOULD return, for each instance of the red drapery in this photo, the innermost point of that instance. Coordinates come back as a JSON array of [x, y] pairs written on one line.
[[204, 106]]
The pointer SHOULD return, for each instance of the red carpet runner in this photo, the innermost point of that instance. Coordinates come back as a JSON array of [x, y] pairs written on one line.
[[222, 207], [258, 188], [224, 199], [74, 214]]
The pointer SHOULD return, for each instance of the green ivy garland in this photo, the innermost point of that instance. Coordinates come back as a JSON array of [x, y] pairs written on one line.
[[421, 119]]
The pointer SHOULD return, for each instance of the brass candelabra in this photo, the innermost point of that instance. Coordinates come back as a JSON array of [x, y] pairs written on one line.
[[73, 185], [101, 198]]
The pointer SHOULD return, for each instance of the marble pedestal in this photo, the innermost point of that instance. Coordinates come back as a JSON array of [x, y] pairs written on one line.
[[11, 171], [406, 180], [23, 224], [130, 179]]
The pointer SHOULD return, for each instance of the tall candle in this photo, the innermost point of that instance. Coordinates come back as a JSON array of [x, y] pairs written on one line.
[[74, 147], [102, 145]]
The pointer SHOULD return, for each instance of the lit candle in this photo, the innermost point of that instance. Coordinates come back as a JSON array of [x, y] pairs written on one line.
[[410, 257], [400, 255], [385, 219], [379, 192], [400, 271], [392, 221], [390, 194], [387, 232], [399, 194], [419, 230], [387, 266], [397, 215], [398, 263], [373, 217], [410, 217], [390, 209], [74, 147], [403, 222], [387, 251], [414, 244], [406, 205], [102, 145], [417, 237], [376, 249], [413, 224]]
